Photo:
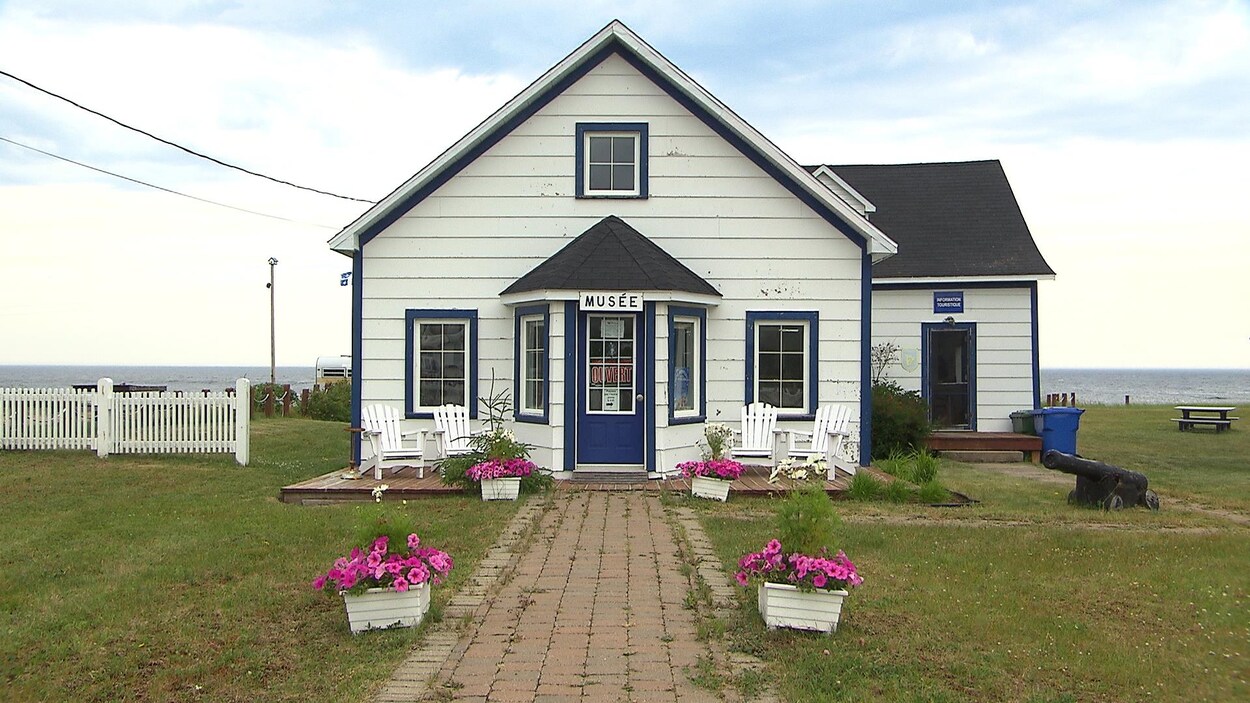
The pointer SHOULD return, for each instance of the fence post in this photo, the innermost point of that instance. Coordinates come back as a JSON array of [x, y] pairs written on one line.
[[287, 397], [242, 417], [103, 417]]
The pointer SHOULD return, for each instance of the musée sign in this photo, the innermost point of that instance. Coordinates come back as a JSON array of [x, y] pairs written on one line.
[[613, 300]]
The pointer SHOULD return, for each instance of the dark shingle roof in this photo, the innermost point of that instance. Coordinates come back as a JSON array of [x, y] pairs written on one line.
[[611, 255], [949, 219]]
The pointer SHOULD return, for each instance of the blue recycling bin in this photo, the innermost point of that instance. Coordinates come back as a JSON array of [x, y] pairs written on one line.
[[1057, 427]]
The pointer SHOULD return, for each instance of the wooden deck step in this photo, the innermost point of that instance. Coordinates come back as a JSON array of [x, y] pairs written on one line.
[[1029, 445]]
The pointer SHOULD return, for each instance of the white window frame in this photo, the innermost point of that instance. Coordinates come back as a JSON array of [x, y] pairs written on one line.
[[587, 190], [805, 408], [527, 405], [414, 319], [695, 355]]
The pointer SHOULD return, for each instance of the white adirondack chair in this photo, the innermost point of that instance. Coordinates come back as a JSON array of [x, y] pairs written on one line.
[[758, 435], [830, 430], [382, 428], [451, 427]]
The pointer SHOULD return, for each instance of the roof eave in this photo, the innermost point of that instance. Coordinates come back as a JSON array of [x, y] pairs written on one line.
[[879, 245]]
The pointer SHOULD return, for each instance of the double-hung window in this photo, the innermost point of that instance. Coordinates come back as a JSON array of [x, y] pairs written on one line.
[[781, 360], [611, 160], [687, 363], [531, 364], [441, 355]]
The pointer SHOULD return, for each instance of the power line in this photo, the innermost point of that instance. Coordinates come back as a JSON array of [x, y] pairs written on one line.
[[167, 190], [179, 146]]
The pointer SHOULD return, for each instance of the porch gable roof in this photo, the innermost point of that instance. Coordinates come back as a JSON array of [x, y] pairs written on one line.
[[612, 255]]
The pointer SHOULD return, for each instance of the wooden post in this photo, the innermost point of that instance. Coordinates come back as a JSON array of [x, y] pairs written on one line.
[[104, 417], [242, 419], [269, 401], [303, 402], [1126, 400], [286, 400]]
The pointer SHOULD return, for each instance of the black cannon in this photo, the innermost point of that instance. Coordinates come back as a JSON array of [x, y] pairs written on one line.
[[1106, 486]]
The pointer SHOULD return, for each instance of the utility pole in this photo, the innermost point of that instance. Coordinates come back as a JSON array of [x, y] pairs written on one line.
[[273, 348]]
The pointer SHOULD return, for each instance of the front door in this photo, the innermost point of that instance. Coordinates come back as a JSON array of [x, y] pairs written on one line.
[[950, 375], [610, 389]]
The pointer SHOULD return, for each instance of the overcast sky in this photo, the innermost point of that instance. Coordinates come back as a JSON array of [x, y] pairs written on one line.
[[1124, 128]]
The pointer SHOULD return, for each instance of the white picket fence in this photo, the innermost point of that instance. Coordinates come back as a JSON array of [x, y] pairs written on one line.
[[126, 423]]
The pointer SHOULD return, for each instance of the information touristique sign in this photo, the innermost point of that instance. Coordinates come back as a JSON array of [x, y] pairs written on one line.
[[948, 301]]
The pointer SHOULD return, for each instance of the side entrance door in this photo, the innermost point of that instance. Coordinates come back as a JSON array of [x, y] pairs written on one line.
[[949, 372], [610, 389]]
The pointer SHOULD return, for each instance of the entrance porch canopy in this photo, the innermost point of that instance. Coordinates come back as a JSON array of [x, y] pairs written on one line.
[[611, 256]]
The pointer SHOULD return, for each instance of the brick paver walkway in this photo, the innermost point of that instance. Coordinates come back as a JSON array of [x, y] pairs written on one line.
[[595, 611]]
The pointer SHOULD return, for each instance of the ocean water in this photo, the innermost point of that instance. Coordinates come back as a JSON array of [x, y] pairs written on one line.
[[1150, 386], [1092, 386], [176, 378]]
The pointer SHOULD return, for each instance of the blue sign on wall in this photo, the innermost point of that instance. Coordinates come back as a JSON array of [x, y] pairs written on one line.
[[948, 301]]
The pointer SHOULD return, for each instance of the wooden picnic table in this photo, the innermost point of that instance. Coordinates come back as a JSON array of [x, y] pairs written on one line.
[[1215, 416]]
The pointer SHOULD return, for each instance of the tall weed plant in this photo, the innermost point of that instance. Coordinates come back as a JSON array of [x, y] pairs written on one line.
[[806, 520]]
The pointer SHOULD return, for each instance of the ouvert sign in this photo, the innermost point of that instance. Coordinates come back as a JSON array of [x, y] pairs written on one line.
[[615, 300]]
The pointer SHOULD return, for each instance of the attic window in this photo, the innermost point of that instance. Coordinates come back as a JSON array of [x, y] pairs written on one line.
[[611, 160]]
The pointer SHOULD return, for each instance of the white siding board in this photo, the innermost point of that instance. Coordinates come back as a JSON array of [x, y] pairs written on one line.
[[1004, 343]]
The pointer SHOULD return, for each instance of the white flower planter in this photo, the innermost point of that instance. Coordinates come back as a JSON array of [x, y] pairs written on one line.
[[783, 605], [380, 608], [501, 488], [714, 488]]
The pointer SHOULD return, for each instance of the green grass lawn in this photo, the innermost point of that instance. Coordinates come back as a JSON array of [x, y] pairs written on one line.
[[183, 578], [1025, 598]]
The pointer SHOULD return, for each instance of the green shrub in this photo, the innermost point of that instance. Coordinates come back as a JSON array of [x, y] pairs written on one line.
[[896, 492], [806, 520], [934, 492], [924, 468], [864, 486], [332, 402], [900, 420]]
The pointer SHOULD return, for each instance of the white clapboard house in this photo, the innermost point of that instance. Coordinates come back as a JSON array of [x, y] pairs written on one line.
[[630, 259]]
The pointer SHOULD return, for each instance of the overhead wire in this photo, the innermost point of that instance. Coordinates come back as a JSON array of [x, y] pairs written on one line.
[[179, 146], [162, 188]]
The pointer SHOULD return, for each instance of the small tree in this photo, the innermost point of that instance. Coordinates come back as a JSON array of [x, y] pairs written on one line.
[[880, 358]]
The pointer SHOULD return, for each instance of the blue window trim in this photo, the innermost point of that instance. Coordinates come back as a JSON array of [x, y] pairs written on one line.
[[648, 418], [812, 319], [640, 128], [701, 315], [519, 413], [570, 385], [1037, 366], [410, 319], [925, 392]]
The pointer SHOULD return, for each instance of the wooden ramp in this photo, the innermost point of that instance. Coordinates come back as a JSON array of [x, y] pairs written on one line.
[[405, 485], [955, 441]]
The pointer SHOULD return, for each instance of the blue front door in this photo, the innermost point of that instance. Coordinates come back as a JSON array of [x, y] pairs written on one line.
[[610, 388]]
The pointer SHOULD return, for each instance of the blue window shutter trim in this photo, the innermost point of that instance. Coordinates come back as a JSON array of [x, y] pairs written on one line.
[[570, 385], [812, 318], [579, 169], [649, 384], [701, 315], [518, 413], [410, 318]]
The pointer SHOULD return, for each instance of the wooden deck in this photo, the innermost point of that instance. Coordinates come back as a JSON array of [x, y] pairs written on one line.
[[405, 485], [1029, 444]]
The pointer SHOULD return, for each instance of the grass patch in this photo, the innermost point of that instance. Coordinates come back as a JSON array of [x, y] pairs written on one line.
[[183, 578], [1023, 597]]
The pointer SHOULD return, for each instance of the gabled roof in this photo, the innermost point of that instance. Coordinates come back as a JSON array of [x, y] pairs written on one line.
[[619, 39], [611, 255], [950, 220]]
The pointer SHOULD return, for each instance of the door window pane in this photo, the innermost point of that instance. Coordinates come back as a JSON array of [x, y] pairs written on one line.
[[610, 364]]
